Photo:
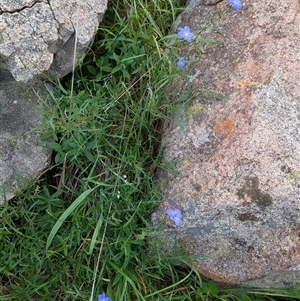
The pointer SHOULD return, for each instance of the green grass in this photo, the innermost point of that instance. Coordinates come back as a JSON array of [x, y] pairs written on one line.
[[84, 227]]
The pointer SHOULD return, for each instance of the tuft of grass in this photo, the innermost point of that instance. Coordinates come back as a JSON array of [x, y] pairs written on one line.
[[84, 227]]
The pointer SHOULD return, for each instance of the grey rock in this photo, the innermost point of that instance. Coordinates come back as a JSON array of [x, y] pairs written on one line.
[[22, 153], [38, 36], [37, 39], [15, 5], [234, 153], [194, 3]]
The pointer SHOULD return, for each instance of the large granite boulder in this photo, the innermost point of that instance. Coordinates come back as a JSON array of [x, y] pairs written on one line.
[[233, 154], [37, 38]]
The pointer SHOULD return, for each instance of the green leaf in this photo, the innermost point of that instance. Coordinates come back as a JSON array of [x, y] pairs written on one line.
[[64, 216], [55, 146], [95, 234], [210, 288], [106, 68], [91, 69]]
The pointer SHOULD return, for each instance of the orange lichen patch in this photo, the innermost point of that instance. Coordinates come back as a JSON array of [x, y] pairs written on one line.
[[224, 128], [187, 164]]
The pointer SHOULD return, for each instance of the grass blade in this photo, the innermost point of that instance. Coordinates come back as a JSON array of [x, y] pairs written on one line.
[[66, 213], [95, 234]]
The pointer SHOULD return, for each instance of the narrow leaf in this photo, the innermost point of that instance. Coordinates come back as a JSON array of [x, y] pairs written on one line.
[[95, 234], [63, 217]]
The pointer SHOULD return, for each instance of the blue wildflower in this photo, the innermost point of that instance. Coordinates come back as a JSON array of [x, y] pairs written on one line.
[[185, 33], [102, 297], [175, 215], [181, 62], [236, 4]]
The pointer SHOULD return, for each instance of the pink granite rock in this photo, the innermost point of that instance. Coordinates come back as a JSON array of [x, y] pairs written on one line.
[[235, 151]]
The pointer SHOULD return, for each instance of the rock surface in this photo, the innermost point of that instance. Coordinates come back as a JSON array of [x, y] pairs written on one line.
[[234, 153], [37, 37]]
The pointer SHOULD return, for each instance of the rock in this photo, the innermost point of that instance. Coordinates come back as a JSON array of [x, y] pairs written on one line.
[[22, 156], [37, 38], [234, 153]]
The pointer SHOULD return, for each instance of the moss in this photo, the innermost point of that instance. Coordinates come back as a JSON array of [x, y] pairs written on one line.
[[247, 217], [251, 190], [197, 187], [286, 169], [292, 175]]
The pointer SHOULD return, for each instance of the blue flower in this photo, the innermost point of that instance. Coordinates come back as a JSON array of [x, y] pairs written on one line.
[[185, 33], [102, 297], [181, 62], [236, 4], [175, 215]]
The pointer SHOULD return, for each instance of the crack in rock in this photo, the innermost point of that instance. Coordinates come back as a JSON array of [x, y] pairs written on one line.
[[49, 3], [25, 45], [17, 10], [194, 3], [37, 36]]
